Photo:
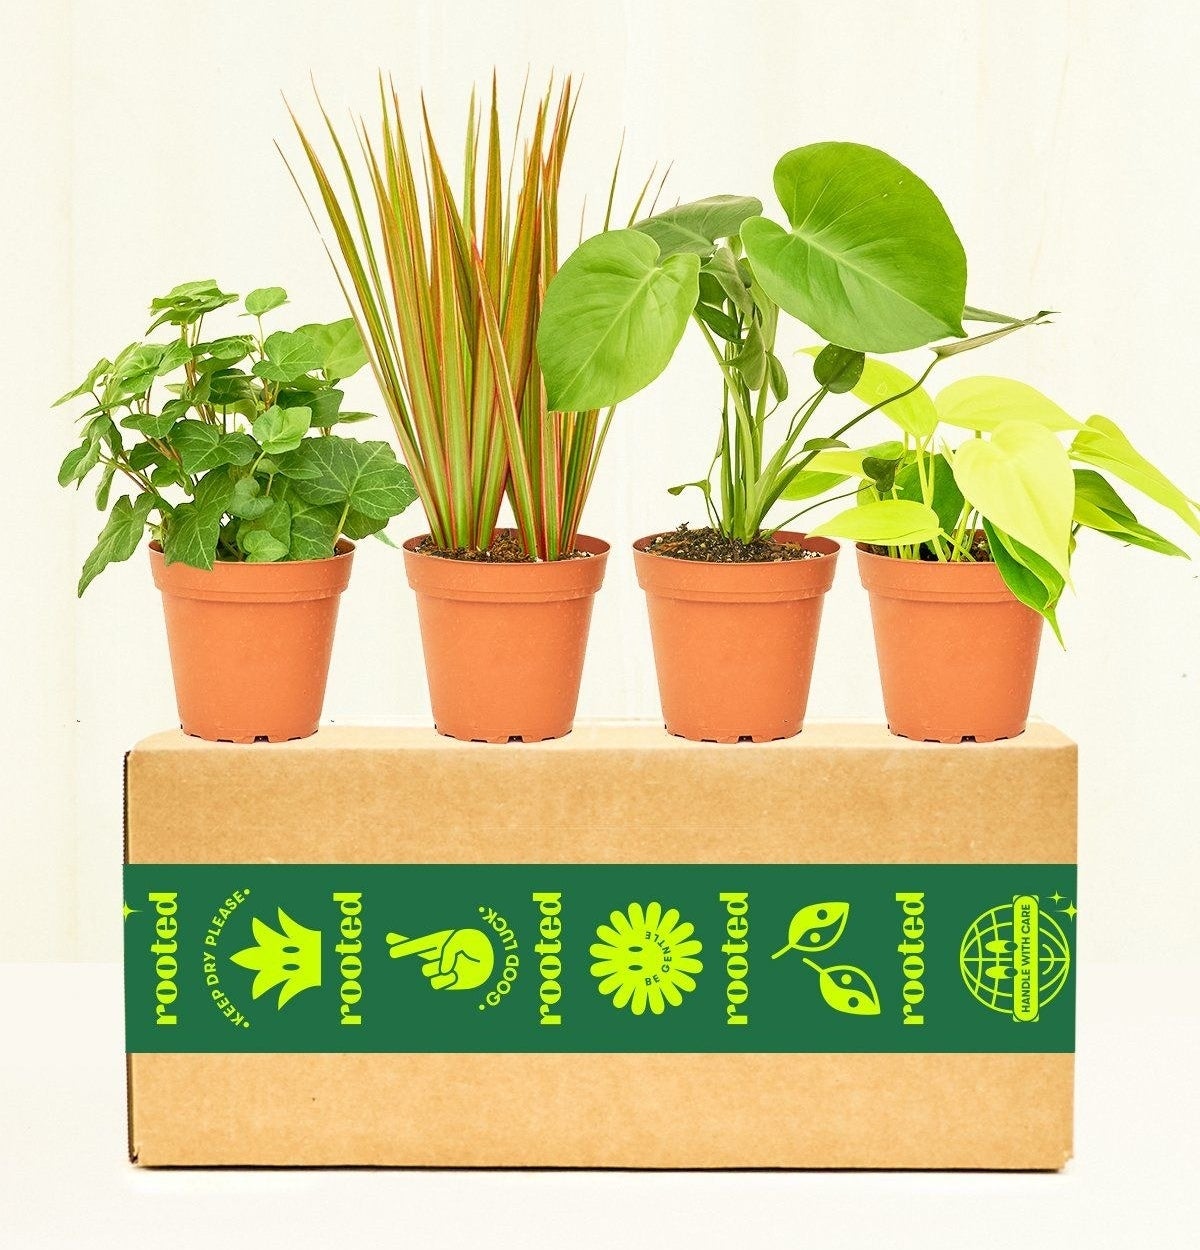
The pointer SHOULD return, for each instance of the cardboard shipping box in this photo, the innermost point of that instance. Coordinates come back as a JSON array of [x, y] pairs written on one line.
[[620, 949]]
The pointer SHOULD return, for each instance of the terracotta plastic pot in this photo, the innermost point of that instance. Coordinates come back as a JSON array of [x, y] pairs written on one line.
[[734, 643], [957, 650], [504, 643], [250, 643]]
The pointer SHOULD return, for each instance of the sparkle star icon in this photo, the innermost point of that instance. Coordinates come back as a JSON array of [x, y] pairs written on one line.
[[1070, 910], [127, 911], [1056, 898]]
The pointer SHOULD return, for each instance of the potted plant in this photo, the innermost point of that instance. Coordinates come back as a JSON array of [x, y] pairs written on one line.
[[870, 261], [250, 499], [447, 293], [964, 550]]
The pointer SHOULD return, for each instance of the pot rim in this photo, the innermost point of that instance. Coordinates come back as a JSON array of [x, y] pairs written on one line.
[[741, 582], [794, 537], [534, 581], [241, 581], [932, 581], [344, 548], [596, 548]]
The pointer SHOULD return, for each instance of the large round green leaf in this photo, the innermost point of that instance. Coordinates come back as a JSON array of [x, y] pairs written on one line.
[[870, 260], [612, 318], [1020, 479]]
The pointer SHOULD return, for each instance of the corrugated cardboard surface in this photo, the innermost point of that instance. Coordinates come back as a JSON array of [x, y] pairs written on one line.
[[840, 793]]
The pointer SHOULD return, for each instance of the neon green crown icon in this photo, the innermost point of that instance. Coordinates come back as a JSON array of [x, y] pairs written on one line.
[[291, 958]]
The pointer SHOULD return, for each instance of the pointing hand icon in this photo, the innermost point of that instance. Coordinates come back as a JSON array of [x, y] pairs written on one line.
[[455, 959]]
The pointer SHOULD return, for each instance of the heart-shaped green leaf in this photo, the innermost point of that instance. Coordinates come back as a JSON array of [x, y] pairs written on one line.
[[119, 538], [1020, 479], [838, 369], [151, 425], [339, 346], [247, 501], [289, 355], [815, 927], [314, 526], [880, 471], [983, 403], [279, 430], [722, 267], [228, 350], [870, 260], [202, 446], [697, 227], [265, 299], [78, 463], [268, 536], [914, 413], [947, 499], [849, 461], [1027, 575], [193, 528], [365, 477], [95, 373], [1099, 507], [1102, 443], [805, 484], [612, 318], [884, 522]]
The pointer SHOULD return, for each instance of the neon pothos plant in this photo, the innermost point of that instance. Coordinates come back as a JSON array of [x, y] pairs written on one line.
[[1015, 481], [447, 293], [227, 442], [868, 259]]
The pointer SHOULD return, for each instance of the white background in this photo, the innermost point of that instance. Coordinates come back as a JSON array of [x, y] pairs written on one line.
[[136, 148]]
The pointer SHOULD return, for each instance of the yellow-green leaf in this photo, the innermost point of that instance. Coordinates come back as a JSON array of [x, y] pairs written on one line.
[[915, 413], [887, 522], [984, 403], [848, 461], [1102, 443], [1020, 479]]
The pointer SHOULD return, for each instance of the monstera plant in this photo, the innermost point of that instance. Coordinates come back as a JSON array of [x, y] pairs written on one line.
[[868, 259]]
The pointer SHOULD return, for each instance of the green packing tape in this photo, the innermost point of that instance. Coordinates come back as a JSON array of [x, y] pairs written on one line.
[[780, 958]]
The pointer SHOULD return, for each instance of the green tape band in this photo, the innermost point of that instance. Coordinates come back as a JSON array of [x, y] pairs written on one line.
[[600, 958]]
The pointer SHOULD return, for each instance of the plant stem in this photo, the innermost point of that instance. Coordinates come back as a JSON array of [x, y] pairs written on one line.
[[796, 516], [883, 403]]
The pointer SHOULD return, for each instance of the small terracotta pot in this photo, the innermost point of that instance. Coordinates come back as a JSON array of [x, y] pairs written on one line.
[[957, 650], [250, 643], [734, 643], [504, 643]]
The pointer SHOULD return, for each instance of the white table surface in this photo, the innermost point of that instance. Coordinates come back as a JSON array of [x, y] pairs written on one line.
[[65, 1181]]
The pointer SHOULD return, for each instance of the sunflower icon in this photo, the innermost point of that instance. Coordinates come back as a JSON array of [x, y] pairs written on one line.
[[646, 958]]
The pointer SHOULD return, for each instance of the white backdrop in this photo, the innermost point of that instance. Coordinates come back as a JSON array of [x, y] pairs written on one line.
[[137, 153]]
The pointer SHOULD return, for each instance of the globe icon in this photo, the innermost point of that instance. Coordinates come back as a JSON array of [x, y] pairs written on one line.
[[986, 959]]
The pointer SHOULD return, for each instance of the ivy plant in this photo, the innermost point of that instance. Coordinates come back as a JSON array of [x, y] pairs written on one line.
[[1016, 491], [228, 442]]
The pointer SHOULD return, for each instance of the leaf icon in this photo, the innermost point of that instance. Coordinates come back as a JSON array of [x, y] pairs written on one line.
[[848, 989], [816, 927]]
